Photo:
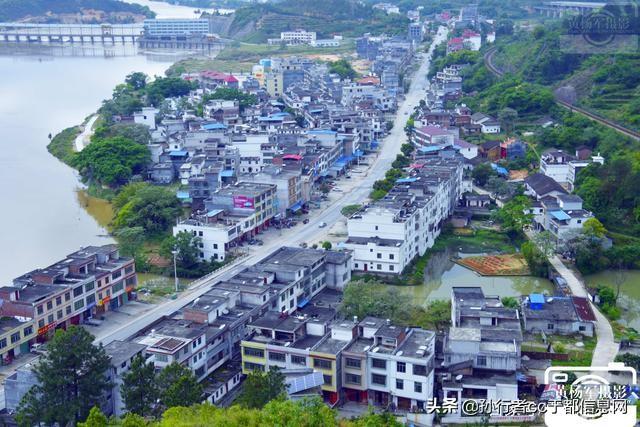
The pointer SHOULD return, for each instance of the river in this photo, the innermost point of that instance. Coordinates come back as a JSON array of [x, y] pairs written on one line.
[[629, 298], [43, 215]]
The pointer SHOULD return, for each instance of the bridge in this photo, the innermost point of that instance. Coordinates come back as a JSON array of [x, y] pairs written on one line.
[[70, 33]]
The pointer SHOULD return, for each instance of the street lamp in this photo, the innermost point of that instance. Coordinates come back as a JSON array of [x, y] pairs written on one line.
[[175, 267]]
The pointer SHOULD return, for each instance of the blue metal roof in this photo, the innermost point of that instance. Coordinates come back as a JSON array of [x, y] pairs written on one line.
[[180, 194], [214, 126], [322, 132], [560, 215], [358, 153], [405, 180], [296, 207], [536, 298], [178, 153], [227, 173], [430, 148], [499, 169]]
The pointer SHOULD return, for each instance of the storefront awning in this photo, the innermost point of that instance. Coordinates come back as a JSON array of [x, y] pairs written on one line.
[[296, 207]]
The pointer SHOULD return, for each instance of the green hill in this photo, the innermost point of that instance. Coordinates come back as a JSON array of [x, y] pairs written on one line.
[[346, 17], [13, 10]]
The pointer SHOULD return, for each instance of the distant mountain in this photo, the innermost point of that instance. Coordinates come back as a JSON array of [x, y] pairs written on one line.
[[62, 10]]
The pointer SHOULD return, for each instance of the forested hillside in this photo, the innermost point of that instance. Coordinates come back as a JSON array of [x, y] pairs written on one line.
[[345, 17], [13, 10]]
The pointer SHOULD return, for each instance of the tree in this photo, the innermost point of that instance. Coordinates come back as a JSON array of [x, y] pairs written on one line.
[[326, 245], [71, 379], [507, 117], [95, 419], [187, 246], [151, 207], [343, 68], [136, 80], [260, 388], [178, 386], [545, 241], [510, 302], [512, 216], [482, 173], [130, 240], [594, 228], [437, 315], [536, 260], [371, 298], [407, 149], [167, 87], [230, 94], [350, 210], [136, 132], [139, 389], [111, 161]]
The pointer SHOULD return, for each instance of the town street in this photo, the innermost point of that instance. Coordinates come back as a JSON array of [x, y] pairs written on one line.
[[310, 232]]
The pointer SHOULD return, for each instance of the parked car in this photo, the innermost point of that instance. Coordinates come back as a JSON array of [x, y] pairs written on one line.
[[303, 245], [305, 221], [322, 224]]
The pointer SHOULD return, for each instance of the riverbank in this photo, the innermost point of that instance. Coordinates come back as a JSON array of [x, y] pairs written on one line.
[[62, 145]]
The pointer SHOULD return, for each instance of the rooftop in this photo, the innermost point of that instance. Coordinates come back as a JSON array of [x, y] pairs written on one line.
[[121, 351]]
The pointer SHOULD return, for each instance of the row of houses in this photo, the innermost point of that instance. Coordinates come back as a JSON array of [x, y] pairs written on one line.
[[84, 285]]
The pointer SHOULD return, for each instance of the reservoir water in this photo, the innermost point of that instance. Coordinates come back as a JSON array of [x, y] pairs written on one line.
[[42, 214]]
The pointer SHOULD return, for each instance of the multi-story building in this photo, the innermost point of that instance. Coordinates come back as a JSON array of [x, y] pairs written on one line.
[[387, 234], [561, 214], [121, 354], [557, 315], [298, 37], [176, 27], [88, 282], [16, 335]]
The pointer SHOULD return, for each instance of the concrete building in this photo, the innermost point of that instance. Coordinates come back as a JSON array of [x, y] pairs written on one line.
[[121, 354], [387, 234], [557, 315], [16, 336], [298, 37], [176, 27], [86, 283]]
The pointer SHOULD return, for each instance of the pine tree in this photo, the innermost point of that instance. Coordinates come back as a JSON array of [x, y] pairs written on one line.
[[178, 386], [139, 389], [71, 380], [260, 388]]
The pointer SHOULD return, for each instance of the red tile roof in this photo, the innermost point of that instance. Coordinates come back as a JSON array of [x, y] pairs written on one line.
[[583, 308]]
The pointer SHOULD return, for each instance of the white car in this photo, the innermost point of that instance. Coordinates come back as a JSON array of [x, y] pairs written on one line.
[[322, 224]]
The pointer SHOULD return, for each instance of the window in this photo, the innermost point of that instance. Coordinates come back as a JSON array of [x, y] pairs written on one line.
[[399, 384], [254, 352], [117, 287], [41, 323], [582, 328], [89, 286], [353, 379], [215, 246], [67, 296], [417, 387], [481, 361], [420, 370], [68, 309], [379, 363], [162, 358], [77, 291], [379, 266], [550, 326], [40, 309], [298, 360], [253, 366], [91, 299], [27, 331], [59, 315], [391, 256], [78, 304], [15, 337], [321, 364], [401, 367], [328, 379], [379, 255], [49, 305], [391, 268], [59, 300], [3, 343], [379, 379], [50, 318], [353, 363], [278, 357]]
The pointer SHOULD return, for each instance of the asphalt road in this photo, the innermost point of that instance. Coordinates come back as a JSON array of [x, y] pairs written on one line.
[[310, 232]]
